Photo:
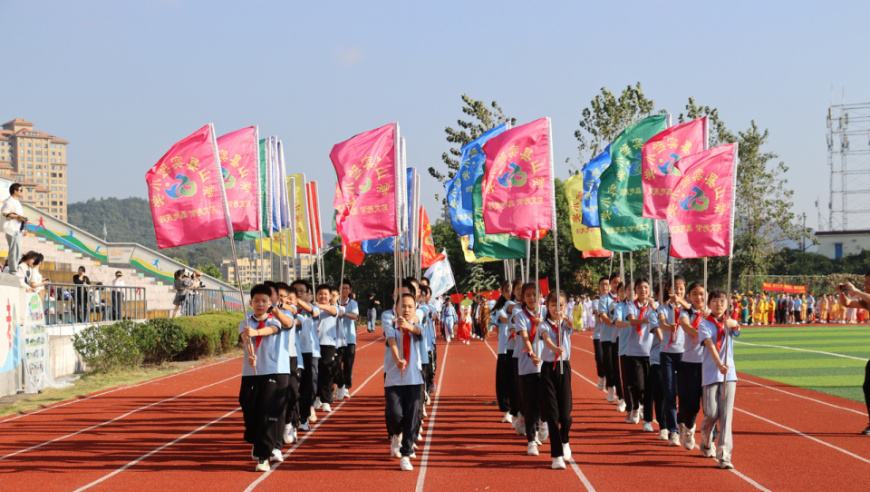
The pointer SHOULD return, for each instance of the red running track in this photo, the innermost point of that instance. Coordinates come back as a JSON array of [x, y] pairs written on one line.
[[184, 433]]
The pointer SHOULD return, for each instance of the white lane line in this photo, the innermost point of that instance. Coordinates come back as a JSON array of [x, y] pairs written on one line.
[[849, 453], [574, 466], [116, 418], [421, 478], [121, 388], [802, 396], [311, 432], [733, 470], [156, 450], [801, 350]]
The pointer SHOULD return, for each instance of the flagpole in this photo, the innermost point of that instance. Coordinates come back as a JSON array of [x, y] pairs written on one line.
[[341, 277], [621, 267], [705, 278], [611, 263], [631, 268], [659, 260], [727, 330], [262, 260], [528, 259]]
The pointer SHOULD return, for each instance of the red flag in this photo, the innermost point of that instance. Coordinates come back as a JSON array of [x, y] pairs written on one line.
[[428, 247], [314, 214], [518, 192], [366, 169], [701, 212], [354, 253], [238, 157], [660, 156], [598, 253], [544, 284], [186, 191]]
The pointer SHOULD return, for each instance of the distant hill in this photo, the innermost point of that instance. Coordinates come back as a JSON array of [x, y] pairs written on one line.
[[129, 220]]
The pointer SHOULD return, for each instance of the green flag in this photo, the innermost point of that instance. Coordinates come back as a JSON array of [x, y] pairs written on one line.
[[498, 246], [243, 235], [620, 196]]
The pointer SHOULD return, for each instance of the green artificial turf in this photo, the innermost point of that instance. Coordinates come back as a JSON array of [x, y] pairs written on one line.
[[827, 373]]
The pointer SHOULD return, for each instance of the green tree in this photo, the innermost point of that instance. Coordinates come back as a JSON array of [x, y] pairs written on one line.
[[211, 270], [482, 119], [606, 116], [479, 279]]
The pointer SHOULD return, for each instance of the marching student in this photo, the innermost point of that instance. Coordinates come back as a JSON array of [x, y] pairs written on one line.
[[644, 326], [612, 359], [429, 341], [603, 290], [526, 322], [719, 378], [511, 311], [448, 317], [403, 380], [691, 365], [348, 315], [288, 308], [605, 335], [263, 396], [624, 328], [654, 382], [327, 302], [672, 348], [309, 346], [557, 399], [503, 371]]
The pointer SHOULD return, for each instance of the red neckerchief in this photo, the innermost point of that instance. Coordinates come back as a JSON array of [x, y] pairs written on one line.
[[695, 327], [558, 339], [642, 315], [261, 325], [720, 331], [406, 338], [346, 302], [676, 325], [533, 328]]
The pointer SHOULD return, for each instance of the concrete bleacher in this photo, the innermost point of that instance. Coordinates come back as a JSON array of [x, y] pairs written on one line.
[[62, 263]]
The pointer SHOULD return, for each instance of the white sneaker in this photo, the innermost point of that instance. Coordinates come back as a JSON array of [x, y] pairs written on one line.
[[326, 408], [543, 431], [532, 450], [723, 455], [419, 435], [414, 447], [339, 393], [277, 456], [295, 435], [395, 446], [317, 403], [647, 427], [559, 463], [346, 393], [707, 449], [635, 416], [611, 392], [601, 384], [620, 405], [405, 464], [304, 426], [725, 465], [288, 435], [426, 399], [425, 415], [507, 418], [674, 440], [262, 466], [521, 425], [663, 435], [312, 417], [566, 451], [689, 440], [537, 439]]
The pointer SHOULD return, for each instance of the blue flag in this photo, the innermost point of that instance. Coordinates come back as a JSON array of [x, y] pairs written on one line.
[[459, 200], [383, 245], [591, 180]]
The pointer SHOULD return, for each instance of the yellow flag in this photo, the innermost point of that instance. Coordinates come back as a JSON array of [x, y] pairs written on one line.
[[585, 238], [301, 212], [278, 245], [469, 255]]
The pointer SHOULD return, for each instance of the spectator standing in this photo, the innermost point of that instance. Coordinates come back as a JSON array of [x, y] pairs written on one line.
[[13, 223], [117, 296], [82, 301]]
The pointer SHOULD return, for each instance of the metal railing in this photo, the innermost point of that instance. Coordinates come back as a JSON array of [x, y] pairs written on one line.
[[74, 303], [199, 301]]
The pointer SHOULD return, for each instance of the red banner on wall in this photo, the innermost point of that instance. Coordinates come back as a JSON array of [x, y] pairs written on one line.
[[791, 289]]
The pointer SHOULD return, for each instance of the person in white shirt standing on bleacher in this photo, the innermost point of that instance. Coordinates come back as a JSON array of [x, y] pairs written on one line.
[[13, 224]]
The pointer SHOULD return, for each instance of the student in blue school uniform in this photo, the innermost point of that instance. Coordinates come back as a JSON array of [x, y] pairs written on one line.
[[346, 353], [642, 317], [556, 396], [309, 347]]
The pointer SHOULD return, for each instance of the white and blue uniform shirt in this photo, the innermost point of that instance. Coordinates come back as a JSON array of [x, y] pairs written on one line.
[[327, 328], [694, 349], [348, 326], [413, 373], [640, 337], [709, 329], [291, 333], [674, 342], [523, 322], [562, 339], [605, 306], [308, 341], [271, 351]]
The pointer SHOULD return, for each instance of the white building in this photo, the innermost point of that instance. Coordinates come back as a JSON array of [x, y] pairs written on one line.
[[837, 244]]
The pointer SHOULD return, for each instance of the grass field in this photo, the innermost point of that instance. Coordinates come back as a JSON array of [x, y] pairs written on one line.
[[829, 359]]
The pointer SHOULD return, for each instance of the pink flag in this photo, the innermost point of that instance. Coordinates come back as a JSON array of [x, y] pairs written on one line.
[[188, 201], [701, 212], [238, 155], [366, 169], [517, 188], [660, 156]]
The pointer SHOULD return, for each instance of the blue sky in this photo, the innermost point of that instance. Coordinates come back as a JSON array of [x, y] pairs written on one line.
[[123, 80]]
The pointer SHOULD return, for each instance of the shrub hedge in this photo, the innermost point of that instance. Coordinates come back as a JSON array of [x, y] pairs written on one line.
[[155, 341]]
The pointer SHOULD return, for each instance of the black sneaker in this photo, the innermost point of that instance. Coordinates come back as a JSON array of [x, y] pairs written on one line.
[[867, 430]]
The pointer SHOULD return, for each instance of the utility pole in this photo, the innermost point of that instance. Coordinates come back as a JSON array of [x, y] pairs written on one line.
[[804, 239]]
